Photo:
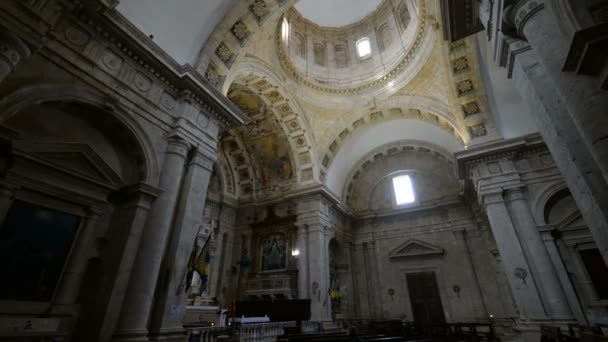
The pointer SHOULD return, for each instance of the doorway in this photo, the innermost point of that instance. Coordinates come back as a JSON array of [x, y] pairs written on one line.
[[425, 299]]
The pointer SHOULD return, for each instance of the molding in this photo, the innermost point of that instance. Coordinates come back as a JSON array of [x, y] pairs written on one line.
[[415, 248], [497, 150]]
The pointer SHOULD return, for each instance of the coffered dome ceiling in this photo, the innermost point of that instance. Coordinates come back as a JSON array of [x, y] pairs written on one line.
[[320, 109], [336, 13]]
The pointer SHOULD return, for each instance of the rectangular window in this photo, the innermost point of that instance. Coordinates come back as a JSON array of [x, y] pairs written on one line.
[[404, 192], [34, 245], [364, 48], [597, 270]]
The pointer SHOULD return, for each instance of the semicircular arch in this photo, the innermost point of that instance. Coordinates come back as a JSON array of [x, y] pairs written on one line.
[[23, 98]]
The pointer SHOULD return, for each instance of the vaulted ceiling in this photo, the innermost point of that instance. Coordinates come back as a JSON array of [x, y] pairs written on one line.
[[310, 124]]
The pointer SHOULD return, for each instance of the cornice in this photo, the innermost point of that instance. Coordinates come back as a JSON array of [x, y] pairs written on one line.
[[101, 19], [391, 75], [497, 150]]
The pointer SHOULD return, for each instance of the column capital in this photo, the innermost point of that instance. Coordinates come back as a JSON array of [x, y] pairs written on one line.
[[203, 160], [522, 11], [94, 213], [493, 197], [301, 227], [140, 194], [515, 194], [177, 145]]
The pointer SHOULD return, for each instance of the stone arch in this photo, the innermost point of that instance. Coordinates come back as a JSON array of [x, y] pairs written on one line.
[[226, 43], [265, 82], [237, 165], [437, 153], [542, 200], [51, 93], [410, 107]]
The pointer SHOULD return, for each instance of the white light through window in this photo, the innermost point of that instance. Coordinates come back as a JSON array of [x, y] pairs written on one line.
[[285, 30], [364, 48], [404, 192]]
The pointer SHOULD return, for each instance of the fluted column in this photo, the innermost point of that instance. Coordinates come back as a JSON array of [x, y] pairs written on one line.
[[169, 308], [371, 290], [12, 52], [518, 273], [571, 154], [319, 272], [301, 245], [534, 249], [137, 307], [71, 279], [131, 207], [564, 279], [582, 95]]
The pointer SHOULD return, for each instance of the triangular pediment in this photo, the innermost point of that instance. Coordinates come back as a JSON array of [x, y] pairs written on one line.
[[415, 248], [78, 159]]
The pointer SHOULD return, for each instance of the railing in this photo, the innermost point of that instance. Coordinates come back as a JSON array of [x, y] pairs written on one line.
[[206, 334], [264, 332], [273, 283], [311, 327]]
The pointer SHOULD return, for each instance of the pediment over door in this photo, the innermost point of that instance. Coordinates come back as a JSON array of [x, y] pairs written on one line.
[[76, 159], [415, 248]]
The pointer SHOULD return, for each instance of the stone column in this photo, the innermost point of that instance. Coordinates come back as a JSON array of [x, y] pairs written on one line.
[[71, 279], [302, 246], [581, 95], [131, 207], [319, 272], [564, 279], [377, 284], [137, 307], [534, 249], [169, 307], [12, 52], [572, 156], [479, 302], [516, 267], [355, 287], [371, 290]]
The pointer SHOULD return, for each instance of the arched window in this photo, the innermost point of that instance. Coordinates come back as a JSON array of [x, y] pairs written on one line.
[[285, 30], [341, 54], [404, 16], [384, 37], [300, 45], [364, 47], [320, 54]]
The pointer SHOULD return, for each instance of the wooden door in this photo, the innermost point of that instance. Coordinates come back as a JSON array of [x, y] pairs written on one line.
[[425, 299]]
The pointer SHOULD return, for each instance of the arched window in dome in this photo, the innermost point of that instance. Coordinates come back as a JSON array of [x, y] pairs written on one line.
[[300, 45], [404, 16], [285, 31], [364, 47], [341, 53], [384, 37], [320, 54]]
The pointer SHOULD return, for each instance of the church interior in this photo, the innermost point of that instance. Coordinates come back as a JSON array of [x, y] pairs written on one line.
[[303, 170]]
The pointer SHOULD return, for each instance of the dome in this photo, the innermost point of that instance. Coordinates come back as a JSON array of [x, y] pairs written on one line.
[[336, 13]]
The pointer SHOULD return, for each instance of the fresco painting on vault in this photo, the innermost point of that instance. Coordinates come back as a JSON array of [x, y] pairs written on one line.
[[264, 139]]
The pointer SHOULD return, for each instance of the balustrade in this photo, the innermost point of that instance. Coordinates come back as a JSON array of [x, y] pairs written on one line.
[[263, 332]]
